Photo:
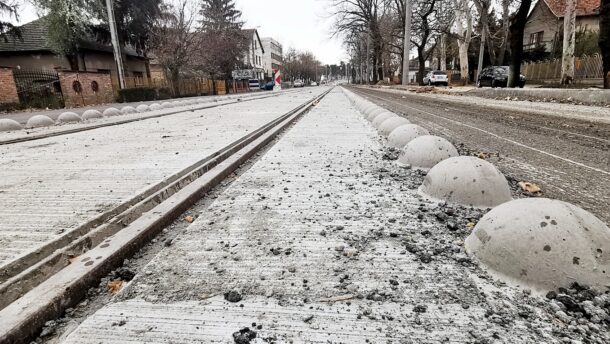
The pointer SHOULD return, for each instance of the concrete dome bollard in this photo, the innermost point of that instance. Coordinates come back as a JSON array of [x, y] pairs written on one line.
[[390, 124], [91, 114], [382, 117], [9, 125], [142, 108], [374, 113], [367, 108], [110, 112], [425, 151], [155, 107], [167, 105], [403, 134], [370, 109], [468, 181], [39, 121], [68, 117], [543, 244], [126, 110]]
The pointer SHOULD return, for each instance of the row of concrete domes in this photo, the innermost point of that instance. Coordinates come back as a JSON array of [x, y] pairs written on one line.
[[38, 121], [537, 243]]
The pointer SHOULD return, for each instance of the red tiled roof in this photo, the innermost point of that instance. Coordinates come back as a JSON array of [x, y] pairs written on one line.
[[583, 7]]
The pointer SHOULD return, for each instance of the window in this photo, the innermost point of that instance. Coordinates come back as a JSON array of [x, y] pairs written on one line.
[[536, 37]]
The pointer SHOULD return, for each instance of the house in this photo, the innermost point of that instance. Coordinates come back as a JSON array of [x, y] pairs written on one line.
[[253, 57], [273, 56], [544, 27], [33, 51]]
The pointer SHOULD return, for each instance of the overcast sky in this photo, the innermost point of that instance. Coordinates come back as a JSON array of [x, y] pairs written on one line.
[[301, 24]]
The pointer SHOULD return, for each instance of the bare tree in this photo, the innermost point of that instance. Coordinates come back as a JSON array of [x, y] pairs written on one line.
[[362, 16], [174, 41], [517, 25], [222, 43], [604, 39], [463, 29], [10, 9], [505, 22], [483, 7], [569, 41], [423, 28]]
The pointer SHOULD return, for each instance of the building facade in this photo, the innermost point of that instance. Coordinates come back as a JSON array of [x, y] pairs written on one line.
[[253, 57], [33, 51], [544, 27], [273, 57]]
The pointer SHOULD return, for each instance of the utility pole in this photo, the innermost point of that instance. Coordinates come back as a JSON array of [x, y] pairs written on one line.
[[115, 43], [406, 43], [368, 57]]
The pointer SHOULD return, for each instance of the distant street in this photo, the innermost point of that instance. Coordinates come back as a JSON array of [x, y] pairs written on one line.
[[568, 157]]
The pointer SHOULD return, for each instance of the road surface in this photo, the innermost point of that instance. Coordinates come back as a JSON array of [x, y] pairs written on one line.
[[563, 148]]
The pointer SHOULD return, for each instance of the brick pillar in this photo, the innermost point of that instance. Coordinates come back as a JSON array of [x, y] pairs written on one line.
[[87, 94], [8, 89]]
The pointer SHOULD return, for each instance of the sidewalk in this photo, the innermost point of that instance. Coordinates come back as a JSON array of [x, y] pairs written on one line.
[[322, 240]]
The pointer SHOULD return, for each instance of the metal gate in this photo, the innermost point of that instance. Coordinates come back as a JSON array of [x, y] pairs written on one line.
[[39, 88]]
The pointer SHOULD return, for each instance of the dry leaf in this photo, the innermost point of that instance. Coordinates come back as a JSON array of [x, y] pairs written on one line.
[[115, 286], [189, 219], [529, 187], [470, 225], [72, 259], [483, 155]]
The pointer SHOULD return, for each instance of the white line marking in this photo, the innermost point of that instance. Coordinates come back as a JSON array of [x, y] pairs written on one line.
[[500, 137]]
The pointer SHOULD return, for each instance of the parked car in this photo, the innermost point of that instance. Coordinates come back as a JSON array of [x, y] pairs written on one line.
[[436, 77], [254, 83], [298, 83], [497, 76], [313, 83], [269, 86]]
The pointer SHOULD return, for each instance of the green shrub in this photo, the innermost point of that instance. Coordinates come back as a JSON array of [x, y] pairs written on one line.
[[137, 94], [8, 107], [164, 93]]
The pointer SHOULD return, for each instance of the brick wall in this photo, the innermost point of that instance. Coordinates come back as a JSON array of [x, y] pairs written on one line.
[[86, 94], [8, 89]]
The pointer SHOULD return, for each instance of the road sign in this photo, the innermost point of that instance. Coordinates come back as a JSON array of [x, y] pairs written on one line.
[[278, 79]]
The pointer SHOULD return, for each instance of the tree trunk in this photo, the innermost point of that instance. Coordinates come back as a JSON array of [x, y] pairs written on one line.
[[463, 51], [422, 65], [569, 37], [443, 54], [484, 10], [505, 16], [604, 39], [516, 42]]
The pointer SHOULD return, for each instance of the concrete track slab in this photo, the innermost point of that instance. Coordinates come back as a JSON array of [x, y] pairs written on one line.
[[326, 242], [50, 186]]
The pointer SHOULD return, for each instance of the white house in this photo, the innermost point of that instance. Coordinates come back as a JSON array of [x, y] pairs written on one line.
[[253, 58], [273, 56]]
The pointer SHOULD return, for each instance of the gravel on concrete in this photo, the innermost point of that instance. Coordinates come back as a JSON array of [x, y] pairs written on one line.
[[326, 240]]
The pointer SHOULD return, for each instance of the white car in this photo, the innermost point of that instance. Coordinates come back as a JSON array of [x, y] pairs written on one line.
[[313, 83], [436, 77], [298, 83]]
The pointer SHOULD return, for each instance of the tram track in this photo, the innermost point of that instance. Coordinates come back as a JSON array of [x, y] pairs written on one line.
[[57, 276]]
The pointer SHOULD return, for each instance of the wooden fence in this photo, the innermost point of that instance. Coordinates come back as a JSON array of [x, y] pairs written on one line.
[[585, 68], [187, 87]]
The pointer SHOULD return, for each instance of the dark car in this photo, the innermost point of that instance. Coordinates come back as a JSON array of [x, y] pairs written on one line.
[[497, 76], [269, 86]]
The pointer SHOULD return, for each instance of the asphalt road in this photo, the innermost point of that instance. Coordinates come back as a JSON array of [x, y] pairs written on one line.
[[568, 157]]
